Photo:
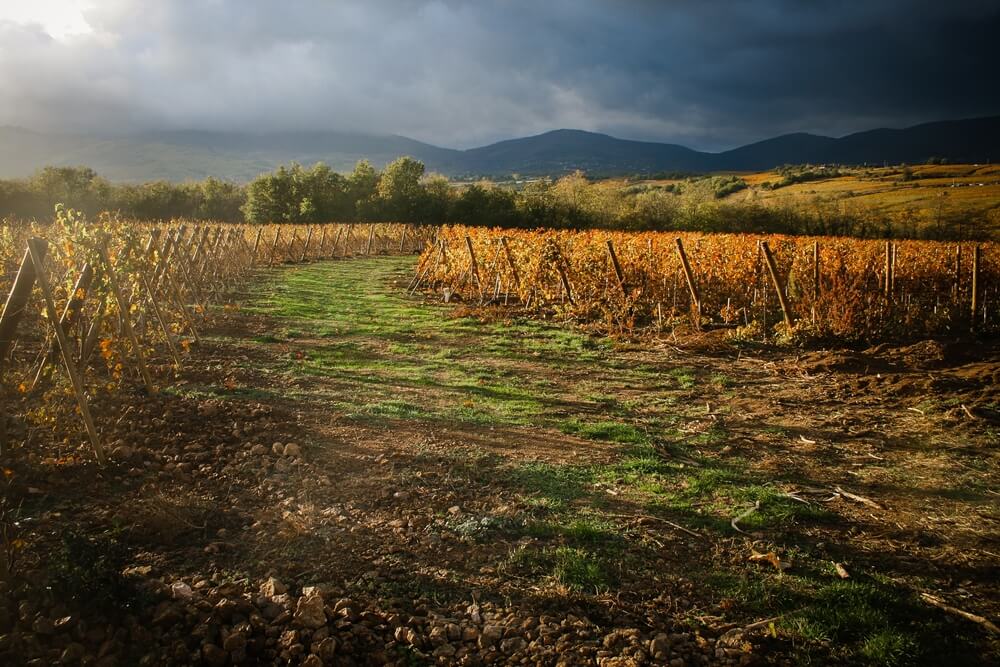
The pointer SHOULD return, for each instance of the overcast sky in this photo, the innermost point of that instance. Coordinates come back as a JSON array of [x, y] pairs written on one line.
[[708, 74]]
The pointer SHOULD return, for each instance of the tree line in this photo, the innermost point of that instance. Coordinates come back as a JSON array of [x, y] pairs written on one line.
[[403, 192]]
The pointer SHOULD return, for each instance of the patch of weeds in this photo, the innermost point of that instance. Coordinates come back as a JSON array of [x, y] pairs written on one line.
[[866, 618], [722, 380], [573, 567], [268, 338], [478, 528], [578, 569], [775, 507], [684, 377], [553, 483], [607, 431], [395, 409], [88, 570], [889, 647], [580, 531]]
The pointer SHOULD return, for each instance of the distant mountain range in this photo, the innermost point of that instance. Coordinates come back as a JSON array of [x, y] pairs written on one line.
[[183, 155]]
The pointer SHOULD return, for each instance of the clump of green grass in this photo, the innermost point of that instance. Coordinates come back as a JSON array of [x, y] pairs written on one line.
[[574, 567], [685, 377], [554, 484], [608, 431]]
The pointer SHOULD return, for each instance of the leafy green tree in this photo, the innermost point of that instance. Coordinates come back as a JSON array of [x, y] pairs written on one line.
[[399, 191], [362, 186]]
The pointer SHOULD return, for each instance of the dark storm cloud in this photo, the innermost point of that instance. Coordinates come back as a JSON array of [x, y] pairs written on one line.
[[710, 74]]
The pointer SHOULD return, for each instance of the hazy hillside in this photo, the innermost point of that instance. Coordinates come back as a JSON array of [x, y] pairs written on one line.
[[182, 155]]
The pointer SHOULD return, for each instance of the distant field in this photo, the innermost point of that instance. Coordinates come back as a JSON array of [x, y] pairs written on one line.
[[964, 192]]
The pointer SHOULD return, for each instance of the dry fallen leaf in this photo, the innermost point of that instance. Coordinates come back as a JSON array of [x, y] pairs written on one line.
[[770, 557]]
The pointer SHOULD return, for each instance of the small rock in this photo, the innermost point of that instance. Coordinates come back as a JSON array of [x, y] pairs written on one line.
[[122, 453], [512, 645], [181, 591], [326, 649], [278, 448], [659, 646], [291, 449], [214, 655], [272, 587], [258, 450], [73, 653], [288, 639], [490, 635], [310, 612], [312, 660], [454, 509], [235, 642]]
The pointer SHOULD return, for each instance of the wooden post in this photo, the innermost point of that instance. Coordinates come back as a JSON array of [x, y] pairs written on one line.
[[274, 246], [565, 279], [336, 241], [256, 244], [371, 237], [689, 277], [35, 250], [888, 269], [815, 270], [123, 309], [347, 240], [474, 266], [617, 267], [305, 248], [958, 269], [892, 268], [20, 292], [164, 327], [69, 317], [511, 264], [976, 279], [778, 286], [402, 238], [322, 240]]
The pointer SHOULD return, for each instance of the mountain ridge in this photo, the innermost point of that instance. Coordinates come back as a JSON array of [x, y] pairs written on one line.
[[177, 155]]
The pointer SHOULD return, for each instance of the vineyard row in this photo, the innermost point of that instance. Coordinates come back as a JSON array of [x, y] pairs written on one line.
[[117, 304], [794, 288]]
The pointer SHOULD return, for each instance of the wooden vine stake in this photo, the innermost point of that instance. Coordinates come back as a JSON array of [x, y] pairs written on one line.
[[274, 247], [69, 317], [336, 241], [11, 315], [511, 264], [474, 266], [617, 267], [123, 309], [563, 277], [976, 279], [256, 244], [305, 248], [322, 241], [36, 248], [958, 270], [371, 237], [815, 270], [888, 269], [692, 286], [17, 300], [815, 279], [772, 269]]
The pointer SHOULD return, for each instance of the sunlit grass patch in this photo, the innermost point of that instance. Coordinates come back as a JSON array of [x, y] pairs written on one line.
[[608, 431]]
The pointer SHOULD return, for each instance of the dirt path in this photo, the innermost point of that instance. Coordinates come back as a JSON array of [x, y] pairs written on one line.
[[536, 477]]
